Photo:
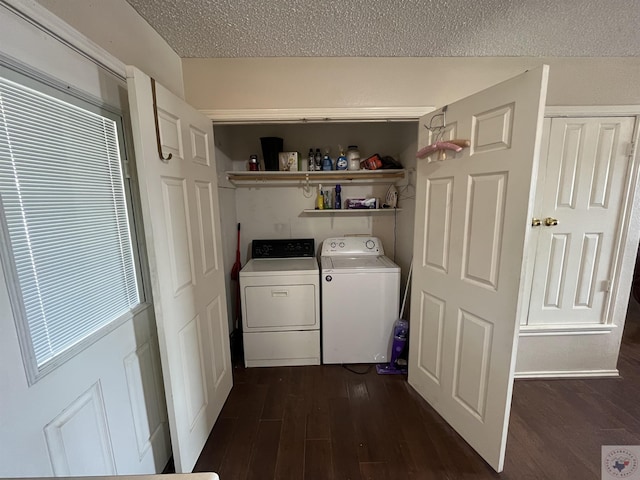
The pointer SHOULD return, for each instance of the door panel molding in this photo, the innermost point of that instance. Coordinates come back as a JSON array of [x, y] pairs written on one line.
[[592, 110], [479, 296]]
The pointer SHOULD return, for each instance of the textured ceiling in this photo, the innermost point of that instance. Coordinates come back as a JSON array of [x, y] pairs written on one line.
[[396, 28]]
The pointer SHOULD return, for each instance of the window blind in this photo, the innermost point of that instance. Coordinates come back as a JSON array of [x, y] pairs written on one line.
[[64, 203]]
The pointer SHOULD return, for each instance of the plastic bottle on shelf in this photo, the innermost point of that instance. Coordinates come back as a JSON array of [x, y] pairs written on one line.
[[320, 199], [254, 166], [353, 157], [317, 158], [327, 163], [327, 199], [311, 161], [338, 198], [341, 161]]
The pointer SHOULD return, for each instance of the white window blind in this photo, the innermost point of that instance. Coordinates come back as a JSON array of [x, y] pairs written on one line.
[[65, 211]]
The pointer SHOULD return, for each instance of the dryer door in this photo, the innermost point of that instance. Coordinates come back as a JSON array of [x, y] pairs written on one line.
[[270, 305]]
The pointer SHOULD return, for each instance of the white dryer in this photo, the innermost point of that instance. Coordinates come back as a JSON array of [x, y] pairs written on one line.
[[280, 296], [360, 298]]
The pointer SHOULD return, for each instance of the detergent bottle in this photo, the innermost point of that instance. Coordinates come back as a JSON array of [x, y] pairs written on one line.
[[338, 198], [341, 162], [320, 199]]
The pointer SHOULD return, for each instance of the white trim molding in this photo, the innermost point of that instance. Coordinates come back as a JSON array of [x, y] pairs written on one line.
[[592, 111], [50, 24], [303, 115], [568, 374], [554, 330]]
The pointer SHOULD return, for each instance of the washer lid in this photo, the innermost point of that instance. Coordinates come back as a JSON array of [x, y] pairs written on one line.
[[358, 264], [280, 266]]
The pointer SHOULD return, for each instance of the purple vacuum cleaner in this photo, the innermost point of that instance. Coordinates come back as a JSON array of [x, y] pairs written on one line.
[[400, 335], [396, 365]]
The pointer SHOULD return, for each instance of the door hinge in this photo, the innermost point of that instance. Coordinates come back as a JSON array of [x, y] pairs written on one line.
[[126, 169], [631, 149]]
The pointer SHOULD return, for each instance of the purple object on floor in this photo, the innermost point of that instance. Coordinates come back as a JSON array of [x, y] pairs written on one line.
[[390, 369], [400, 334]]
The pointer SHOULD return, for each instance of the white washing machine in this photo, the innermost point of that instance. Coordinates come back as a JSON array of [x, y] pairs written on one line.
[[360, 298], [280, 296]]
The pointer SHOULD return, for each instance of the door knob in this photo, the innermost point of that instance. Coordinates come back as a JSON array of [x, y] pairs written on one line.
[[536, 222], [550, 222]]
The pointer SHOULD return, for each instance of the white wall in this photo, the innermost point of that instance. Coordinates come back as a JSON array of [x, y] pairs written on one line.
[[117, 27], [224, 83]]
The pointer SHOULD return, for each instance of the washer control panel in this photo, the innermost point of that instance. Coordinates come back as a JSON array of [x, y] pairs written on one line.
[[352, 246]]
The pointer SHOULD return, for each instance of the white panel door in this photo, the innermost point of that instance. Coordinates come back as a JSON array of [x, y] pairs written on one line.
[[471, 231], [584, 185], [181, 220]]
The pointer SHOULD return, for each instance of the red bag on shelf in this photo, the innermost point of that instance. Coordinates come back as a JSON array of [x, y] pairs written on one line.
[[374, 162]]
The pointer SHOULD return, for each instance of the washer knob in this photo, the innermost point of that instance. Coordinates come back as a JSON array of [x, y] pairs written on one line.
[[328, 278], [341, 244], [370, 244], [333, 244]]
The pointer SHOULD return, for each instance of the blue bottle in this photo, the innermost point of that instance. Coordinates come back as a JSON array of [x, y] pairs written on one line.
[[338, 198], [341, 162], [327, 164]]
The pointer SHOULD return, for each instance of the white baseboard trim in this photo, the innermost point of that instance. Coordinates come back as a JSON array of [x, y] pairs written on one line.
[[557, 330], [568, 374]]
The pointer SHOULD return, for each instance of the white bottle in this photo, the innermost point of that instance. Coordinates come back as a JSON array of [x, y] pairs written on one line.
[[353, 158]]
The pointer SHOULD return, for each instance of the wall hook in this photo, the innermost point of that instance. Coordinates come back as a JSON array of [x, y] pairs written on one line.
[[437, 131], [155, 118]]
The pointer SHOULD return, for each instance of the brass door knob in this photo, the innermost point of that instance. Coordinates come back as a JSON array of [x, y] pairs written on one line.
[[550, 222], [536, 222]]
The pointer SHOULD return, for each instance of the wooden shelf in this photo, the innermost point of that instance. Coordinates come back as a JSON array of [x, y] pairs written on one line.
[[258, 179], [351, 211]]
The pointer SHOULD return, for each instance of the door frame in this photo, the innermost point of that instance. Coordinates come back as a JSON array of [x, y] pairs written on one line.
[[627, 244]]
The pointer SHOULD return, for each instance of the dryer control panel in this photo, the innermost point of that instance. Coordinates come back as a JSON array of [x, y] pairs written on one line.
[[283, 248], [352, 246]]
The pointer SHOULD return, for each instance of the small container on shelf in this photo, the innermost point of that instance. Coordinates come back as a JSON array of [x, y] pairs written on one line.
[[311, 160], [327, 163], [254, 166], [327, 200], [288, 161], [362, 203], [320, 198], [341, 161], [374, 162], [353, 158], [337, 204], [317, 157]]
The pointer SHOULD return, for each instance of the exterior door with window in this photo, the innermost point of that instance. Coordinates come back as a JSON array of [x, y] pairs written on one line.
[[182, 228], [471, 231], [80, 376]]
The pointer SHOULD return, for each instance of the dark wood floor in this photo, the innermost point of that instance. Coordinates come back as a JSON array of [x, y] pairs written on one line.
[[328, 423]]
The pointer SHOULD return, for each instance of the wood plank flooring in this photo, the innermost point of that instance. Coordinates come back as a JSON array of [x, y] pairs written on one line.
[[328, 423]]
